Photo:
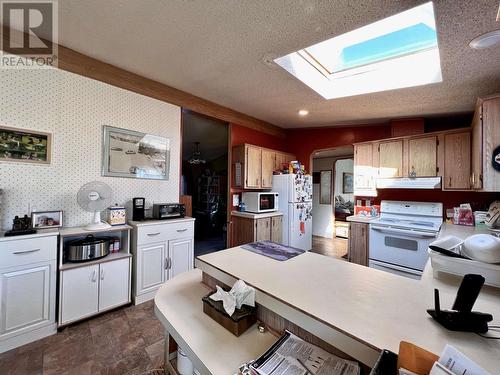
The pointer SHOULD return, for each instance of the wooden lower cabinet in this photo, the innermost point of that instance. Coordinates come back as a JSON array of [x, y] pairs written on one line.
[[358, 243], [247, 230], [277, 229]]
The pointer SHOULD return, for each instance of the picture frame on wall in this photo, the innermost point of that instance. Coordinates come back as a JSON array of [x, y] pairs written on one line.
[[325, 187], [25, 146], [132, 154], [47, 219], [347, 183]]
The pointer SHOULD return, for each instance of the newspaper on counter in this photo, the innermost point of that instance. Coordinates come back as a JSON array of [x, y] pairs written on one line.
[[457, 363], [291, 355]]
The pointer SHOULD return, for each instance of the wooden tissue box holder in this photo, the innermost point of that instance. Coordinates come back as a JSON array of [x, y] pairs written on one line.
[[238, 323]]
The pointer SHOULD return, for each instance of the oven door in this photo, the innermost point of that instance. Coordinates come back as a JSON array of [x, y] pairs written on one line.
[[267, 202], [400, 247]]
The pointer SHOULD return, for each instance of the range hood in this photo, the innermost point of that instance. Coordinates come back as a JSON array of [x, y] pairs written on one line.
[[409, 183]]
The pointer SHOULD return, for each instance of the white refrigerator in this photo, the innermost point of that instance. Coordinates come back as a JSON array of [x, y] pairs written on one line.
[[295, 201]]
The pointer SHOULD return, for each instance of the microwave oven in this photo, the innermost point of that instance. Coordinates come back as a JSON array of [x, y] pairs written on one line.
[[163, 211], [260, 201]]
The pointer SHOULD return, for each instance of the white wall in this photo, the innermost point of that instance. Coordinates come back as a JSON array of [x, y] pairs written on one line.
[[323, 219], [323, 223], [74, 109]]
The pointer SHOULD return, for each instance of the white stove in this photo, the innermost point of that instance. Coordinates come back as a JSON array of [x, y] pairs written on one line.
[[400, 237]]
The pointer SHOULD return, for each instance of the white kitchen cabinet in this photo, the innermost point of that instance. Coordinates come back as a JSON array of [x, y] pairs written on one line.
[[92, 287], [180, 256], [88, 290], [151, 271], [27, 289], [162, 249], [79, 293], [114, 285]]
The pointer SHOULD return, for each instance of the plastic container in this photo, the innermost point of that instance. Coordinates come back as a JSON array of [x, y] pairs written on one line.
[[184, 364], [461, 267]]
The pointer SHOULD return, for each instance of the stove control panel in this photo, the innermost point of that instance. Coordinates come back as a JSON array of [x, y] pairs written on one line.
[[412, 208]]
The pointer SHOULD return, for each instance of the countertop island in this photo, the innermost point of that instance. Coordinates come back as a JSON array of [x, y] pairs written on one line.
[[357, 309]]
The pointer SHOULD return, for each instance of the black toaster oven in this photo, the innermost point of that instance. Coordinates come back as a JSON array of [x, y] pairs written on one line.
[[163, 211]]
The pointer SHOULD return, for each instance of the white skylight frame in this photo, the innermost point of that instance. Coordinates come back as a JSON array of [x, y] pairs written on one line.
[[413, 69]]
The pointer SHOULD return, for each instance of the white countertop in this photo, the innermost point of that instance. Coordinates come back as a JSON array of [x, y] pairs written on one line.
[[462, 231], [361, 218], [38, 234], [252, 215], [373, 307], [79, 231], [212, 348], [154, 222]]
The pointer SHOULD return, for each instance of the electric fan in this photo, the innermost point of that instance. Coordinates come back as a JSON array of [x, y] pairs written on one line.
[[95, 197]]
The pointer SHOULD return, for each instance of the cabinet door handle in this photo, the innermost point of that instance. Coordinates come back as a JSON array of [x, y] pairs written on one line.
[[449, 183], [102, 274], [153, 234], [25, 251], [94, 276], [473, 179], [181, 230], [168, 263], [257, 182]]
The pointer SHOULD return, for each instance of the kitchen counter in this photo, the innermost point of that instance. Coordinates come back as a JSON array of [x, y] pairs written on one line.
[[252, 215], [463, 231], [357, 309], [361, 218]]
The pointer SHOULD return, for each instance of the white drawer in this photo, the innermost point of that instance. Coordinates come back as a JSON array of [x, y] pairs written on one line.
[[164, 232], [26, 251]]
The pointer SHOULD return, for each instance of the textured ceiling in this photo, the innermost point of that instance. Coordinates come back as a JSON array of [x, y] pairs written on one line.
[[215, 49]]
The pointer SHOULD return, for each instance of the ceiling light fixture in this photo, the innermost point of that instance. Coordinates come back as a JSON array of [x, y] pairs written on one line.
[[196, 158], [303, 112], [487, 40]]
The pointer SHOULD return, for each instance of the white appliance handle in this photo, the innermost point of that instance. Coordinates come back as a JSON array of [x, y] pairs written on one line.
[[407, 232]]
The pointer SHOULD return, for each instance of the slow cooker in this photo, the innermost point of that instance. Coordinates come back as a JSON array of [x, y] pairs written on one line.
[[88, 248]]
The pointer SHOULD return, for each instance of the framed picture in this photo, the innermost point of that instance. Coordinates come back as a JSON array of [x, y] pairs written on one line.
[[347, 185], [47, 219], [128, 153], [27, 146], [325, 187]]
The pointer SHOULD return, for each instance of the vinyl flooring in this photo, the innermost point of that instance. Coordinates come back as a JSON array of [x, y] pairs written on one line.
[[125, 341]]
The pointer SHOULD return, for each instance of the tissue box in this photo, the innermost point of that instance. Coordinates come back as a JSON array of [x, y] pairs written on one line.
[[239, 322]]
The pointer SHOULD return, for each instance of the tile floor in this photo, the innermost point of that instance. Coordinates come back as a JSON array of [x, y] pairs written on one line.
[[333, 247], [124, 341]]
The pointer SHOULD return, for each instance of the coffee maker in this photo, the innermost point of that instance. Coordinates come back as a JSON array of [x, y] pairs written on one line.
[[138, 209]]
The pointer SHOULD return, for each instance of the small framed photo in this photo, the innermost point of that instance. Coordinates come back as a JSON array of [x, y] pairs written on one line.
[[128, 153], [347, 183], [27, 146], [47, 219]]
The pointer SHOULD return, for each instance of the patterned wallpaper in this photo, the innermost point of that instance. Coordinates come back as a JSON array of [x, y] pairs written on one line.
[[74, 109]]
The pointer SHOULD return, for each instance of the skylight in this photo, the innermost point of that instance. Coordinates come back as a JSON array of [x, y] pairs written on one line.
[[396, 52]]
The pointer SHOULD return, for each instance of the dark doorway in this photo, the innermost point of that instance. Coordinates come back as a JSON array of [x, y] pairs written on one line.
[[205, 178]]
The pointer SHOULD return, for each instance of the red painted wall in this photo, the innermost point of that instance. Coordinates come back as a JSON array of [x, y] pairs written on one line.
[[241, 134], [303, 142], [478, 200]]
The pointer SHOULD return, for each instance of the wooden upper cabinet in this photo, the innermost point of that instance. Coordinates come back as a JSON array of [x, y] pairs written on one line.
[[477, 150], [422, 157], [253, 167], [390, 159], [282, 158], [490, 141], [268, 163], [364, 170], [457, 161]]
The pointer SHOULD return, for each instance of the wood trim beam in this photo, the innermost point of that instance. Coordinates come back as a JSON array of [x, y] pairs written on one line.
[[78, 63]]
